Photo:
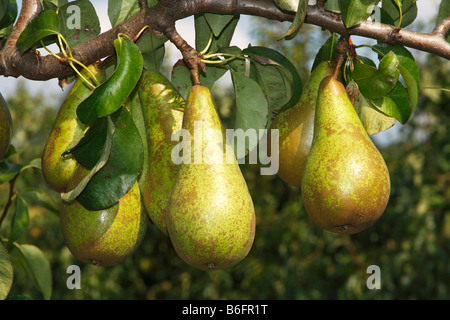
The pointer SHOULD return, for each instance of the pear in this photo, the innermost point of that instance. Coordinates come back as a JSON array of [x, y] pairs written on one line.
[[210, 218], [296, 127], [66, 132], [163, 115], [345, 184], [105, 237], [5, 127]]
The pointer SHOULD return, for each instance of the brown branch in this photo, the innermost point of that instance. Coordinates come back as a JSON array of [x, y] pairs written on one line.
[[162, 18], [9, 57]]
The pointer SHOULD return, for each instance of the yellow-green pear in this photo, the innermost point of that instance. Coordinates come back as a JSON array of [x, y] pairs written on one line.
[[105, 237], [296, 127], [345, 184], [211, 218], [5, 127], [162, 108], [67, 131]]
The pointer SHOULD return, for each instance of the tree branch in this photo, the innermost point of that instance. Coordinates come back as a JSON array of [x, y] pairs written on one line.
[[162, 18]]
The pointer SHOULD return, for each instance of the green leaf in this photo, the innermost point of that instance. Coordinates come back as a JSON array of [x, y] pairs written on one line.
[[277, 57], [407, 15], [9, 15], [108, 97], [355, 11], [153, 50], [251, 109], [387, 106], [298, 20], [411, 87], [20, 220], [237, 65], [399, 96], [376, 83], [121, 10], [90, 148], [373, 120], [333, 5], [121, 170], [44, 25], [37, 267], [410, 77], [218, 22], [405, 59], [327, 51], [444, 12], [288, 5], [8, 171], [6, 272], [137, 113], [275, 82], [203, 33], [100, 162], [41, 198], [79, 21], [55, 3], [182, 80]]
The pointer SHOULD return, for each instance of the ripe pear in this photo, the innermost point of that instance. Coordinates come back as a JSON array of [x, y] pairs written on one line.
[[5, 127], [163, 115], [105, 237], [67, 131], [211, 218], [345, 184], [296, 127]]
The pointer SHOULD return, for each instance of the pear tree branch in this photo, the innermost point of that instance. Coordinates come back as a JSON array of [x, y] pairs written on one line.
[[162, 18]]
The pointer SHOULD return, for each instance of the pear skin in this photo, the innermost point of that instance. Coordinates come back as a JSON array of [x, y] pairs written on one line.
[[105, 237], [345, 184], [296, 127], [67, 131], [211, 218], [5, 127], [163, 115]]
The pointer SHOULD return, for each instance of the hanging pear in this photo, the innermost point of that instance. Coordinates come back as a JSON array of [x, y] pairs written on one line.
[[296, 127], [104, 237], [345, 184], [211, 218], [163, 115], [5, 127], [67, 131]]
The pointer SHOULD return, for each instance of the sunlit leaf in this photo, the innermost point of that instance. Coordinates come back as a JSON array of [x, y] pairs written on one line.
[[252, 109], [6, 272], [376, 83], [37, 267]]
